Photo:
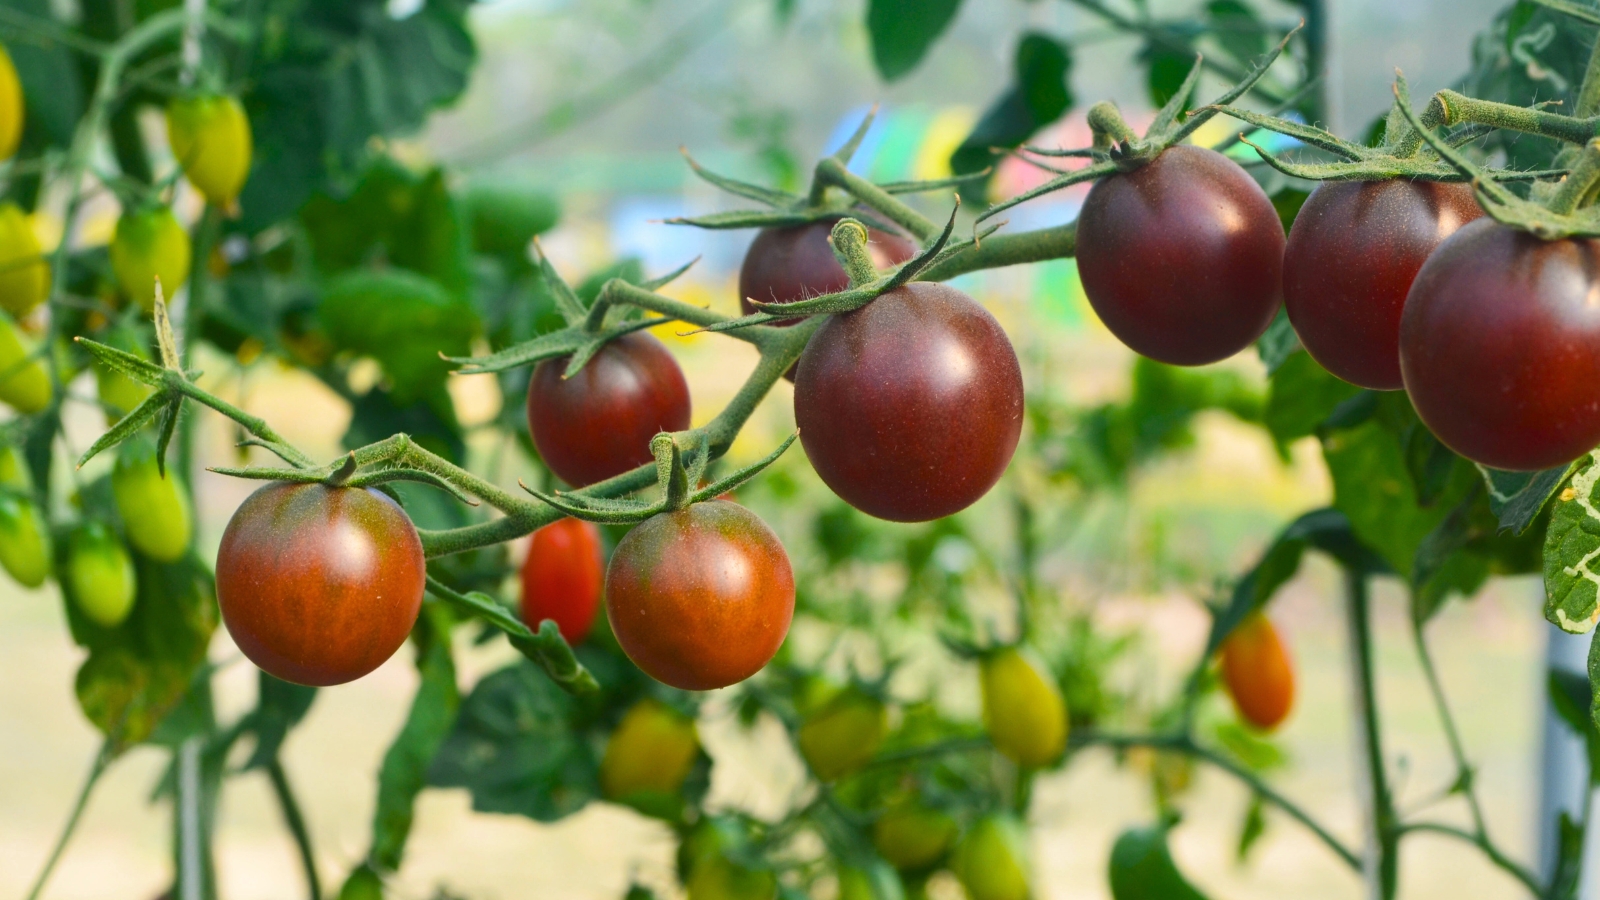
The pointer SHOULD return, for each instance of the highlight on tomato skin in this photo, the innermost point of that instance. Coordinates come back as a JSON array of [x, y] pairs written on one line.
[[562, 578], [1258, 673]]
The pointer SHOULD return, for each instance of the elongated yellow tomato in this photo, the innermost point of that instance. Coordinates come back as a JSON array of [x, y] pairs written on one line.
[[13, 470], [1022, 708], [150, 244], [1257, 673], [912, 837], [843, 734], [991, 861], [24, 541], [24, 383], [650, 753], [210, 136], [100, 574], [12, 107], [24, 274], [718, 878], [154, 507]]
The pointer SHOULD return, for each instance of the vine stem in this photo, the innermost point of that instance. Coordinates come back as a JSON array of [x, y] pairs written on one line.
[[296, 822], [102, 759], [1381, 865], [1589, 92], [1495, 855]]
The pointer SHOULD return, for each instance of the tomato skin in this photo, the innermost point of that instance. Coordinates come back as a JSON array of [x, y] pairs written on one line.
[[154, 509], [910, 407], [795, 262], [1022, 708], [12, 106], [319, 585], [843, 735], [876, 882], [1258, 673], [700, 598], [912, 837], [598, 423], [1500, 346], [27, 388], [150, 244], [101, 574], [562, 578], [992, 862], [24, 272], [1181, 258], [24, 541], [1352, 254], [210, 136], [718, 878], [651, 751]]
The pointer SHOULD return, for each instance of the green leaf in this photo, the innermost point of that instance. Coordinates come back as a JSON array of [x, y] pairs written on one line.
[[1166, 72], [402, 320], [280, 706], [1300, 396], [1517, 498], [1572, 699], [1142, 868], [506, 213], [1039, 95], [1278, 343], [902, 31], [404, 771], [1237, 29], [1571, 545], [1251, 827]]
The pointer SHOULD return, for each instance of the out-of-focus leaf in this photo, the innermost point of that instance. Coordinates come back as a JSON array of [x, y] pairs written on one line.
[[1528, 53], [1251, 827], [402, 320], [1300, 396], [1166, 70], [404, 219], [1237, 29], [902, 31], [1142, 868], [1517, 498], [1039, 95], [506, 213], [280, 706]]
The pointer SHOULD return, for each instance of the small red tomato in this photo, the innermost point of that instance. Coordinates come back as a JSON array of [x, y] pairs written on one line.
[[1257, 673], [562, 577], [700, 598]]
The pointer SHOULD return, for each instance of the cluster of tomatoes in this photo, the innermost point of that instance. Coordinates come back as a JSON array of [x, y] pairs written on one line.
[[1390, 284]]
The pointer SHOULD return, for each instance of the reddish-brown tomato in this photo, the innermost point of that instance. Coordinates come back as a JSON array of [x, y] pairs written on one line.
[[319, 585], [796, 262], [700, 598], [562, 578]]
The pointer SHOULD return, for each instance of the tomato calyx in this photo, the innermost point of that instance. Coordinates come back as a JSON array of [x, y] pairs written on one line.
[[676, 471]]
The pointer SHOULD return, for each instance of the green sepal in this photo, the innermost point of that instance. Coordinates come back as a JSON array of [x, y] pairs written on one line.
[[546, 648], [128, 425], [774, 198]]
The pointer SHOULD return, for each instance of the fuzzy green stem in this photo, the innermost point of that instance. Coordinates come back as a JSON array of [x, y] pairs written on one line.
[[296, 823], [1108, 126], [1452, 108], [1381, 866], [618, 291], [831, 172], [1041, 245], [849, 242], [1578, 187], [102, 758], [1589, 92]]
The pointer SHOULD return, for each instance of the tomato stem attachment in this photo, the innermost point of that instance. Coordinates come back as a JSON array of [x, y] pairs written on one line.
[[1108, 126], [849, 243], [1579, 186]]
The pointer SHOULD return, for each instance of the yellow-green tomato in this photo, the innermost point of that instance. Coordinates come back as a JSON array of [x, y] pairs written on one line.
[[119, 394], [363, 884], [24, 541], [150, 244], [1022, 708], [154, 507], [24, 383], [844, 734], [24, 273], [718, 878], [651, 752], [912, 836], [992, 860], [12, 108], [101, 575], [13, 471], [877, 881], [210, 136]]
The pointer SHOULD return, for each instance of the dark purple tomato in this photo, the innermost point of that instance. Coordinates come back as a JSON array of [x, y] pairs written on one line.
[[910, 407], [598, 423], [1352, 254], [319, 585], [702, 597], [796, 262], [1500, 346], [1182, 257]]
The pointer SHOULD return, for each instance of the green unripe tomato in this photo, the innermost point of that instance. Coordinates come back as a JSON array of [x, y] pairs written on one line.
[[154, 509], [101, 575], [992, 860], [24, 273], [150, 244], [24, 541], [210, 136], [913, 837], [843, 735], [649, 755], [24, 383], [13, 471], [877, 881], [1022, 708], [717, 878]]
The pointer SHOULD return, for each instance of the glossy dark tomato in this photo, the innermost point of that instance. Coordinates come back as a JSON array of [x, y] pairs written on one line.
[[598, 423], [1182, 257], [796, 262], [562, 578], [700, 598], [1257, 673], [1500, 346], [319, 585], [1352, 254], [910, 407]]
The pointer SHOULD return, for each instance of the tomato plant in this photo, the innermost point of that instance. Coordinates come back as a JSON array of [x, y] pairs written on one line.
[[319, 585], [1258, 673], [562, 578]]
